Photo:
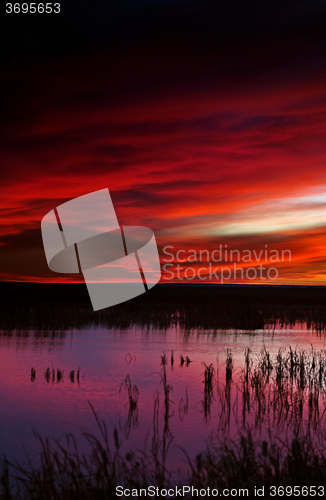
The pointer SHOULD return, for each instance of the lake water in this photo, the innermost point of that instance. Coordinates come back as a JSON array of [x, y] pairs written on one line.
[[105, 357]]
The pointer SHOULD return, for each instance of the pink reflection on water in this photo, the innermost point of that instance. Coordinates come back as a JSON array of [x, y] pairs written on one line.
[[53, 409]]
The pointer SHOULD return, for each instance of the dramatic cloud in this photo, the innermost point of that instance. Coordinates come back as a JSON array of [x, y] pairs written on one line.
[[204, 149]]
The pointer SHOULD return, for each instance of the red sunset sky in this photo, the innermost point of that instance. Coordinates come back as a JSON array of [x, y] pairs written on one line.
[[225, 145]]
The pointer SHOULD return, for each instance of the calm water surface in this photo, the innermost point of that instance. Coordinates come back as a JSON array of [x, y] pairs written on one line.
[[53, 409]]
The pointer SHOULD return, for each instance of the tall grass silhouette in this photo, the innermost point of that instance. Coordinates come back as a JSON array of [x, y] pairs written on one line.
[[285, 392], [45, 310]]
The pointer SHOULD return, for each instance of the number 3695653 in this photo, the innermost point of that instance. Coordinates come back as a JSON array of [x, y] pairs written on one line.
[[32, 8]]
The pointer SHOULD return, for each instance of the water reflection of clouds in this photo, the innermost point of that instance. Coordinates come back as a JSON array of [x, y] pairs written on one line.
[[53, 409]]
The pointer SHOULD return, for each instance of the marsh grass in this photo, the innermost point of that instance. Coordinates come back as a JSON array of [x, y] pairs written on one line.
[[228, 366], [133, 395], [62, 472], [285, 392], [47, 311], [132, 391], [209, 384], [167, 390], [183, 406], [52, 375]]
